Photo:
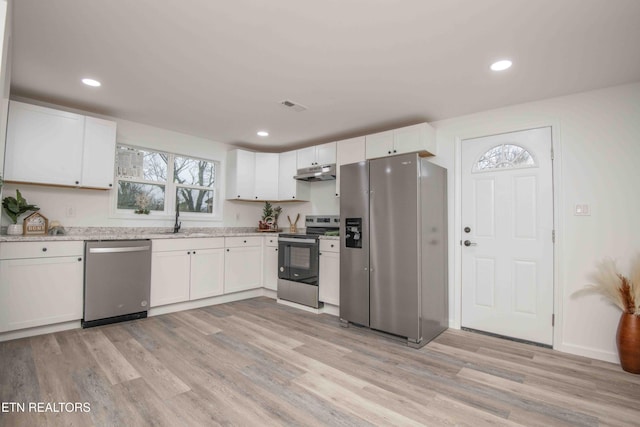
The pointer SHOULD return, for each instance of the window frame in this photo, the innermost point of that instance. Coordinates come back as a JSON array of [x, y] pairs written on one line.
[[171, 188], [496, 167]]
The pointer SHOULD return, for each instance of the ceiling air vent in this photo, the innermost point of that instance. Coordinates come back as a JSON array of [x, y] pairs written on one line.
[[294, 106]]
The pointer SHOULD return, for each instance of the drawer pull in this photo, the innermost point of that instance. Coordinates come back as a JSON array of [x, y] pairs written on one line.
[[44, 249]]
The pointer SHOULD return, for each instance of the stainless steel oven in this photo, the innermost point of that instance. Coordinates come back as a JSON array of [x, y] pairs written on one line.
[[298, 259]]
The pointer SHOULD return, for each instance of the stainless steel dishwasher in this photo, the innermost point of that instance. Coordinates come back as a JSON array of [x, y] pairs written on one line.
[[117, 281]]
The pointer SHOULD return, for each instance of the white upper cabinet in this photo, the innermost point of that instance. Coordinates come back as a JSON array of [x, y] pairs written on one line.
[[323, 154], [379, 144], [326, 153], [348, 151], [48, 146], [306, 157], [252, 176], [409, 139], [99, 153], [420, 137], [266, 178], [241, 173], [288, 187], [44, 145]]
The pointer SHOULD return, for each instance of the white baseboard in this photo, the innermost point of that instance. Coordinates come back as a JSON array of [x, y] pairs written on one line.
[[190, 305], [589, 352], [39, 330]]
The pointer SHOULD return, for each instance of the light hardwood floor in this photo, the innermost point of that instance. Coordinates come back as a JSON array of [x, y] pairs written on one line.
[[256, 363]]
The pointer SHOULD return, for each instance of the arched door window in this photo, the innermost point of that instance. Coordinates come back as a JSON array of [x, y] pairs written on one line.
[[504, 156]]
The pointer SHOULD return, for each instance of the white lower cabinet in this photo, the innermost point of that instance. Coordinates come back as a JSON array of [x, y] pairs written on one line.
[[329, 272], [242, 263], [169, 277], [186, 269], [40, 283], [270, 263], [207, 273]]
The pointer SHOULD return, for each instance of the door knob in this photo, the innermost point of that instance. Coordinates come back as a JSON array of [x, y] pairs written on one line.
[[469, 243]]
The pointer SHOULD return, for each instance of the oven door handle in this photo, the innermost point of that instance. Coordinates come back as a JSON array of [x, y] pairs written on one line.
[[295, 240]]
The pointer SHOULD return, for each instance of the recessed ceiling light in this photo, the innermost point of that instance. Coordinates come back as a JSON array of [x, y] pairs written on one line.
[[501, 65], [263, 133], [91, 82]]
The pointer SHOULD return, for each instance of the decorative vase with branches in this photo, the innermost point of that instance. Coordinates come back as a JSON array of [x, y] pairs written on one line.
[[624, 293]]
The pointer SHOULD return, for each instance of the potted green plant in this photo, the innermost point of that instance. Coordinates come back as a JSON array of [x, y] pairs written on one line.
[[14, 207], [624, 293]]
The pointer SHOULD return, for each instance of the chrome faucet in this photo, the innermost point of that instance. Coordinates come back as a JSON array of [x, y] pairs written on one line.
[[177, 225]]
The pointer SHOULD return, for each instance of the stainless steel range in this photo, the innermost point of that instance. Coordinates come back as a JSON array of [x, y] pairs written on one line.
[[298, 259]]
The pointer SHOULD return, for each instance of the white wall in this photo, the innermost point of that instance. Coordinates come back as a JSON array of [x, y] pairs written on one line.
[[597, 142]]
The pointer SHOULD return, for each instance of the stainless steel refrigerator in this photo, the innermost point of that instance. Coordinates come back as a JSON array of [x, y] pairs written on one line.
[[393, 251]]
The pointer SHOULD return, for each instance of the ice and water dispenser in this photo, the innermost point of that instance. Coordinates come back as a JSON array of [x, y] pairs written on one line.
[[353, 235]]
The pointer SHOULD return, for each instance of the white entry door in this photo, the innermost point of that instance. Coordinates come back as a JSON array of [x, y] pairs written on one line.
[[507, 226]]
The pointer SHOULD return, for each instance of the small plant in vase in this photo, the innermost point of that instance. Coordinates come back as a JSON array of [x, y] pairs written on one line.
[[15, 207], [142, 204], [624, 293], [270, 216], [267, 216]]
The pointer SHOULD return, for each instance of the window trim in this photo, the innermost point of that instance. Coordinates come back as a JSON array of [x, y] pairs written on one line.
[[170, 190]]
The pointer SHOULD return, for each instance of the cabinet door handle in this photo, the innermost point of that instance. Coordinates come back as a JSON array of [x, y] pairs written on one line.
[[188, 253], [331, 245], [194, 252], [110, 185], [79, 259], [245, 241], [394, 151], [227, 250], [77, 182], [44, 249]]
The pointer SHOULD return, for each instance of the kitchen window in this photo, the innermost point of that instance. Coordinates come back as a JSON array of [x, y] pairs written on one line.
[[152, 182]]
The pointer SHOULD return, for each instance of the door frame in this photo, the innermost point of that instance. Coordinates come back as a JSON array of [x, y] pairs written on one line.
[[488, 128]]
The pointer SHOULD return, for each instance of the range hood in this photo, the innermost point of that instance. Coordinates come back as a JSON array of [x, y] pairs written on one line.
[[317, 173]]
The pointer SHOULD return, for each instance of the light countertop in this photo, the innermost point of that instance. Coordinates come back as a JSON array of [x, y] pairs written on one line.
[[128, 233]]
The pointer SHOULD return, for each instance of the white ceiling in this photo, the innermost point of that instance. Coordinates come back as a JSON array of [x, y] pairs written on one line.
[[218, 69]]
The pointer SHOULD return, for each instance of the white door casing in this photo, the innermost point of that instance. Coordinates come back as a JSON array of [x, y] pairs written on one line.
[[507, 204]]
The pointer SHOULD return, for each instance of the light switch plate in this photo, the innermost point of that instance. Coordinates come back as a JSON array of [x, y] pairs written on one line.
[[582, 210]]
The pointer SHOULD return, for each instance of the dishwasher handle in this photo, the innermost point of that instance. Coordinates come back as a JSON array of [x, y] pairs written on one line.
[[119, 250]]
